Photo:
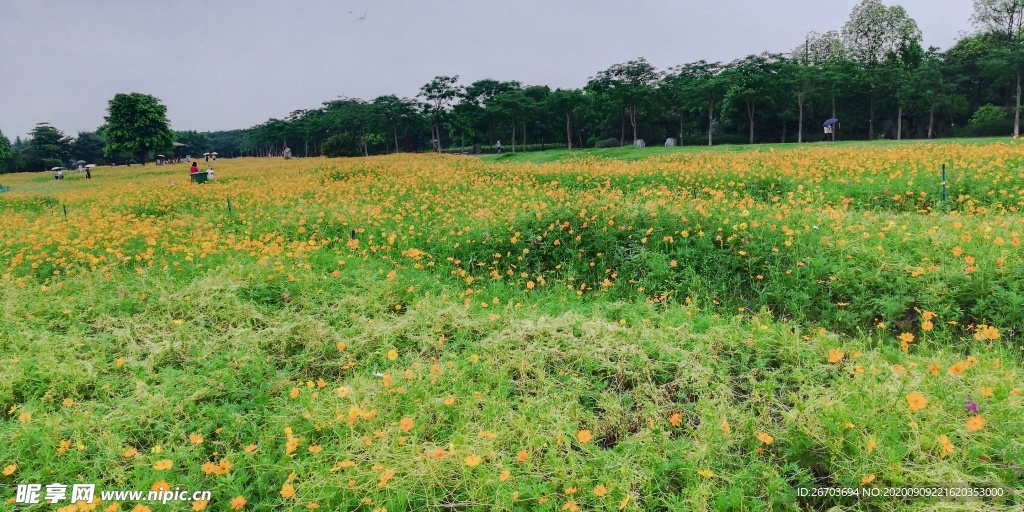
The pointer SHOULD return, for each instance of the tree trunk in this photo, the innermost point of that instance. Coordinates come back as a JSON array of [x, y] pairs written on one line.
[[395, 131], [783, 131], [632, 121], [899, 123], [568, 131], [622, 128], [681, 114], [800, 123], [513, 134], [931, 120], [711, 122], [833, 107], [871, 116], [750, 118], [1016, 110]]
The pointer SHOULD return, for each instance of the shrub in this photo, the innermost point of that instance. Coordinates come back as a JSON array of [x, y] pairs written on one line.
[[591, 142], [607, 143], [986, 114]]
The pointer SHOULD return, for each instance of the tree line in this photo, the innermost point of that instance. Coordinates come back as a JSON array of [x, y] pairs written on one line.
[[872, 74]]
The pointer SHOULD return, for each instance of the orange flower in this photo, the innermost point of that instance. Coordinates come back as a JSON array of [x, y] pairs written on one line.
[[571, 506], [975, 423], [916, 401], [871, 445], [522, 456], [867, 479], [600, 491], [765, 438], [287, 491], [584, 436], [504, 475], [200, 505], [406, 424], [9, 470], [725, 426], [160, 485], [472, 460], [958, 368], [130, 452], [835, 355], [947, 446], [237, 503], [196, 438], [161, 465], [385, 477], [675, 419]]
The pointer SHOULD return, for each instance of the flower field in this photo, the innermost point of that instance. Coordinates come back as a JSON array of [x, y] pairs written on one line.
[[702, 330]]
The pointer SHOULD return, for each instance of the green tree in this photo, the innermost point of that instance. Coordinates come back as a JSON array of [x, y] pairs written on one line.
[[1004, 19], [567, 102], [88, 146], [6, 154], [137, 124], [48, 147], [632, 85], [439, 94], [873, 33]]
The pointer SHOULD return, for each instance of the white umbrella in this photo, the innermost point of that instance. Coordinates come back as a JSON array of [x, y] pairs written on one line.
[[204, 154], [213, 153], [161, 156], [90, 166], [57, 169]]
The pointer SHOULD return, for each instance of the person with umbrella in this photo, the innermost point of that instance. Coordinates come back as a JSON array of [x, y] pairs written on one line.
[[830, 129]]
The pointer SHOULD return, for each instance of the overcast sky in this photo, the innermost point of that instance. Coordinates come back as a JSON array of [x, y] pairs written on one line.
[[224, 64]]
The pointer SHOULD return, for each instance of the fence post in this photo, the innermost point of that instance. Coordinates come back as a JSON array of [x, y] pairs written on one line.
[[65, 207], [229, 205]]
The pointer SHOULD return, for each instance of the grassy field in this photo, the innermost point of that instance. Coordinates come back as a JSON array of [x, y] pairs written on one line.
[[690, 331]]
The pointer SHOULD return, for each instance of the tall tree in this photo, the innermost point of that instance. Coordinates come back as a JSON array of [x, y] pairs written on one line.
[[48, 147], [1004, 20], [6, 154], [753, 82], [566, 102], [439, 94], [136, 124], [873, 32], [632, 85]]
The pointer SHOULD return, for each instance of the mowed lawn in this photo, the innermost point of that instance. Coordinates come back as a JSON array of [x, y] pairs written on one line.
[[622, 329]]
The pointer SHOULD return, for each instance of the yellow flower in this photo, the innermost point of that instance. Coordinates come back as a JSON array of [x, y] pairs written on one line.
[[472, 460], [725, 427], [584, 436], [161, 465], [916, 401], [504, 475], [706, 473], [392, 355], [9, 470]]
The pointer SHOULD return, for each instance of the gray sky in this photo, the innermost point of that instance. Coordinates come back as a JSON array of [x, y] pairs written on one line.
[[224, 64]]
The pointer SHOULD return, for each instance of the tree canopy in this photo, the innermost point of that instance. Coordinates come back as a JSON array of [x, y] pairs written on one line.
[[136, 125]]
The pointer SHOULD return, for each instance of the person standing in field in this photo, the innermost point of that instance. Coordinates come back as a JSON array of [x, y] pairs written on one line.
[[498, 145]]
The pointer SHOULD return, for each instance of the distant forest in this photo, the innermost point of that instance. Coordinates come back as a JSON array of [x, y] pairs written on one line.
[[872, 74]]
